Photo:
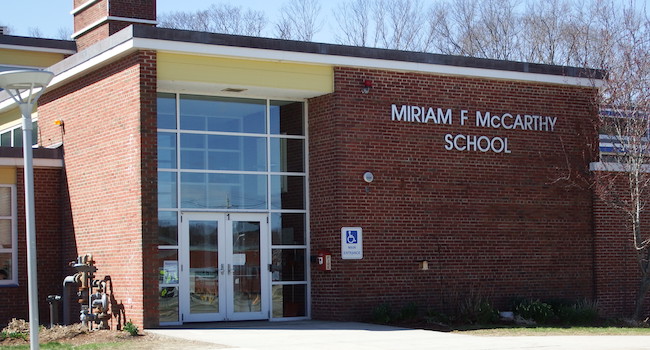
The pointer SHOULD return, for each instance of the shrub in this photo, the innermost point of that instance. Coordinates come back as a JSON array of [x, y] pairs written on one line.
[[131, 328], [382, 314], [408, 312], [476, 309], [435, 317], [583, 312], [535, 310]]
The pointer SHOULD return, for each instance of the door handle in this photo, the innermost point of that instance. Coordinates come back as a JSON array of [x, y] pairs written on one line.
[[222, 269]]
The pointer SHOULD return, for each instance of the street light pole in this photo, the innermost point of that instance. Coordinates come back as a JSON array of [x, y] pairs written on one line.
[[25, 87]]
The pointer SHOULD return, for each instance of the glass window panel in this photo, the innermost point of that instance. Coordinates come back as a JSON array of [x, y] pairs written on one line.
[[288, 264], [223, 191], [287, 192], [237, 153], [247, 265], [287, 118], [209, 113], [287, 155], [18, 137], [288, 229], [166, 150], [167, 190], [219, 152], [6, 266], [289, 300], [204, 272], [5, 201], [34, 133], [5, 139], [168, 304], [166, 111], [6, 233], [168, 266], [167, 228]]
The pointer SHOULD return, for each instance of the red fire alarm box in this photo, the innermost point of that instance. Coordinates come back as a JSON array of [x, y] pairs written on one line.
[[324, 260]]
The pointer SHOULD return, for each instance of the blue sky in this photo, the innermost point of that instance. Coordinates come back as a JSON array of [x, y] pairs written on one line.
[[50, 15]]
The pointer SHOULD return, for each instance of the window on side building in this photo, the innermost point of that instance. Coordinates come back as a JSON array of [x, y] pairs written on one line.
[[8, 236]]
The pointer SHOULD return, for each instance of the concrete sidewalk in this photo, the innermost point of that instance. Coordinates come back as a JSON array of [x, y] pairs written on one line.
[[323, 335]]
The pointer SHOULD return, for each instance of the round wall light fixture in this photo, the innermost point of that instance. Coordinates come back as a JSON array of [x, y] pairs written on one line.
[[368, 177]]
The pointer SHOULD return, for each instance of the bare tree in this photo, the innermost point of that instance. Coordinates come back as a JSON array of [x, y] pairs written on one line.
[[353, 20], [64, 33], [398, 24], [218, 18], [625, 102], [35, 32], [299, 20], [487, 28]]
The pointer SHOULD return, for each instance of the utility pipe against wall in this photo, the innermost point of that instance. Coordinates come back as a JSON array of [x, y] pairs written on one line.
[[66, 297]]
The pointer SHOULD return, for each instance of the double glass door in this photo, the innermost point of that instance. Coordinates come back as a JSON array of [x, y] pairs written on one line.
[[224, 267]]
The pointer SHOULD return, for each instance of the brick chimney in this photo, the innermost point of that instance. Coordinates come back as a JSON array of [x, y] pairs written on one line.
[[95, 20]]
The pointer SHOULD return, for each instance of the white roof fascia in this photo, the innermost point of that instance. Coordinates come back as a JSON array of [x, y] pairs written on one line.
[[336, 60], [37, 162], [105, 57]]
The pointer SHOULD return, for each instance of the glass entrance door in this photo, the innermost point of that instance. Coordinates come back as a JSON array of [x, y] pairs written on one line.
[[223, 267]]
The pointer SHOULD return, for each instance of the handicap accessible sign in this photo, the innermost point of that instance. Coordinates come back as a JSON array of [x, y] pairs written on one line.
[[351, 243]]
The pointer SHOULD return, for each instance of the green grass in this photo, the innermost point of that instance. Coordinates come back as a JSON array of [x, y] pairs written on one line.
[[59, 346], [532, 331]]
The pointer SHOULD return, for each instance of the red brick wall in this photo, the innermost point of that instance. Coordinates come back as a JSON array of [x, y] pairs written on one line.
[[139, 9], [499, 225], [110, 167], [617, 270], [47, 206]]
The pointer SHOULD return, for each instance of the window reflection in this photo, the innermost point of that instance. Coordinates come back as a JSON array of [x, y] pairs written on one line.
[[288, 228], [209, 113], [223, 191], [287, 192]]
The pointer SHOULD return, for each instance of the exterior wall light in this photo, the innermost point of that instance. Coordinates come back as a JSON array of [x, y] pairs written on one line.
[[368, 177], [25, 87], [367, 85]]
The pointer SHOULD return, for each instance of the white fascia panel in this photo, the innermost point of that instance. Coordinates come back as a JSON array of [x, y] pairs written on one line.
[[346, 61], [103, 58], [615, 167], [37, 162]]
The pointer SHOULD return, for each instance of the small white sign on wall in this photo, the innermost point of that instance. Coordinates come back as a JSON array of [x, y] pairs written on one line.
[[351, 243]]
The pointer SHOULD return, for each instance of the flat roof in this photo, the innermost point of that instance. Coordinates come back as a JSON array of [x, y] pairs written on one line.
[[148, 32], [37, 44]]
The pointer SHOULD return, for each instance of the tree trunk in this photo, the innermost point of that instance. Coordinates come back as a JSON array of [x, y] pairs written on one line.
[[644, 286]]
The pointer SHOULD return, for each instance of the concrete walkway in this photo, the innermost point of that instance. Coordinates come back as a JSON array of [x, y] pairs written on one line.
[[323, 335]]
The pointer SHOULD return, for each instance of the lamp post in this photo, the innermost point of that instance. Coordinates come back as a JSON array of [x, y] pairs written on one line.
[[25, 87]]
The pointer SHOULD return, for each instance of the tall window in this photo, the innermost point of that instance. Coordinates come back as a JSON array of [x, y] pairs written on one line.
[[8, 235]]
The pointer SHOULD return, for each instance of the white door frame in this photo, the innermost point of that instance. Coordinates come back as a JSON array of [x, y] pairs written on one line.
[[226, 267]]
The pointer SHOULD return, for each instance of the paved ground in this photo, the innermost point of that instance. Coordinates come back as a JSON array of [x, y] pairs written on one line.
[[322, 335]]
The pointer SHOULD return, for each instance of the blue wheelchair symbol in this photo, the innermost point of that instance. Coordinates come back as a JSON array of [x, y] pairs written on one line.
[[351, 237]]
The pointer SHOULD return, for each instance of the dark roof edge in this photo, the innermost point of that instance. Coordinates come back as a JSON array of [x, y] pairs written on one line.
[[38, 42], [149, 32], [38, 153]]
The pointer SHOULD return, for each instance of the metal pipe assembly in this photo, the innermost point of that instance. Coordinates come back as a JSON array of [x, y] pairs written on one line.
[[92, 294]]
